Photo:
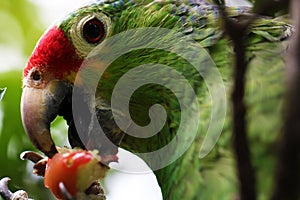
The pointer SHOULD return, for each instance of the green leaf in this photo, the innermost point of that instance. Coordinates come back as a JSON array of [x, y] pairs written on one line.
[[2, 92]]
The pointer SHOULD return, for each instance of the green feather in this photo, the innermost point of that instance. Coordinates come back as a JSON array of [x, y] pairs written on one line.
[[190, 177]]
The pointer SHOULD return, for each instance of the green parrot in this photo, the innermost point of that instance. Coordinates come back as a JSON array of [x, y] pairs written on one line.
[[80, 61]]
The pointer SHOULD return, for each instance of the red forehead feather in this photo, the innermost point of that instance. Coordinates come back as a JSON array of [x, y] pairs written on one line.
[[54, 54]]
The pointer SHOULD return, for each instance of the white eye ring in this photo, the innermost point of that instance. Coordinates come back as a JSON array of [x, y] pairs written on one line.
[[81, 44]]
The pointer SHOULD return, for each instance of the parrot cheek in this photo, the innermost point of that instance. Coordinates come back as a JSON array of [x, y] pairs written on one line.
[[39, 107]]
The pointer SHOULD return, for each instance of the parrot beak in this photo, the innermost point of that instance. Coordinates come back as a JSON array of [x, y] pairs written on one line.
[[39, 107]]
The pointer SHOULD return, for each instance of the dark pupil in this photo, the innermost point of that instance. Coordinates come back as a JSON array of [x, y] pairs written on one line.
[[93, 31], [36, 76]]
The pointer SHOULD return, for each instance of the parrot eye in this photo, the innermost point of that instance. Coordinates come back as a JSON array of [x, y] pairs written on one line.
[[36, 76], [89, 30], [93, 31]]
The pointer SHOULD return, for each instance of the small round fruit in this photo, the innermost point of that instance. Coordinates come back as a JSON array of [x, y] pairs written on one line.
[[76, 169]]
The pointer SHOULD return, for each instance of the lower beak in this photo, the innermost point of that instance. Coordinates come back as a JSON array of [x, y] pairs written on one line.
[[39, 107]]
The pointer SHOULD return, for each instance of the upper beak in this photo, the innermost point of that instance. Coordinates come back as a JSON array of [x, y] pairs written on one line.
[[39, 107]]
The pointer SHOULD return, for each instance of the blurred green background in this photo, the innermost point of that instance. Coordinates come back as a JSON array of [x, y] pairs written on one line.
[[20, 27]]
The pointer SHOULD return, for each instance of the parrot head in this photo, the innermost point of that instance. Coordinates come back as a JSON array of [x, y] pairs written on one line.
[[50, 72]]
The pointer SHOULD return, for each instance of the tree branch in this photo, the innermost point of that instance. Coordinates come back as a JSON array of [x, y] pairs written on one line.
[[270, 7], [237, 31], [287, 176], [5, 193]]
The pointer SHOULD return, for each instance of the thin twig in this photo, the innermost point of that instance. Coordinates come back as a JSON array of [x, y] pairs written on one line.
[[5, 193], [237, 31]]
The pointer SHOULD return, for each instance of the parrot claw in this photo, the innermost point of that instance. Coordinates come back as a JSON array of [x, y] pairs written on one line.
[[95, 192], [32, 156], [39, 161], [65, 192]]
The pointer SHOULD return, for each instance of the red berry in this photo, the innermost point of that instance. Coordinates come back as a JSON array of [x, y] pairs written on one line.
[[65, 168]]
